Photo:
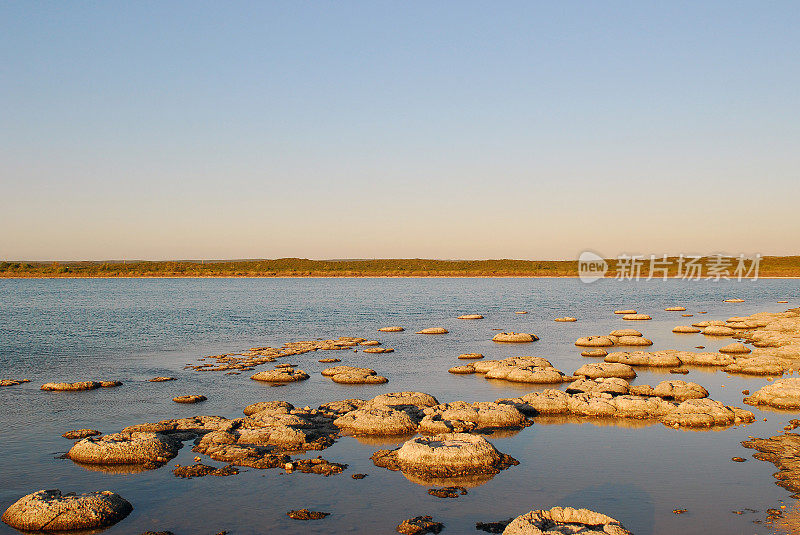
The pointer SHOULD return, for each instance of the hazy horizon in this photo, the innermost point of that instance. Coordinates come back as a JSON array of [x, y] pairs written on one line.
[[460, 130]]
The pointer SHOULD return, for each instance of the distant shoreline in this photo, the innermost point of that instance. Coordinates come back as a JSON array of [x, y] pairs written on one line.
[[778, 267]]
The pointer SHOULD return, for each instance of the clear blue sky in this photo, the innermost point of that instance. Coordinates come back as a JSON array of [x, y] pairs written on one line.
[[398, 129]]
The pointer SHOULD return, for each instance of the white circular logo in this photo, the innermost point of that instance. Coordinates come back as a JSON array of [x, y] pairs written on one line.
[[591, 267]]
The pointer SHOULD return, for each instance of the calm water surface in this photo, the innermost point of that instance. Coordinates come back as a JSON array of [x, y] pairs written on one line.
[[134, 329]]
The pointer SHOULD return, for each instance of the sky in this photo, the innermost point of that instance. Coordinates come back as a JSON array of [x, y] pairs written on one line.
[[317, 129]]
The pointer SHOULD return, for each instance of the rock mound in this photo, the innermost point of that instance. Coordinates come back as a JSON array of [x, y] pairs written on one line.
[[565, 520], [125, 448], [514, 338], [52, 511]]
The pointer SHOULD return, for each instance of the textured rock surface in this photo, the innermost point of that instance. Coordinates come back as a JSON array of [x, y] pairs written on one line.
[[514, 338], [782, 394], [51, 511], [125, 448], [460, 416], [419, 525], [565, 520], [433, 330], [353, 375], [281, 375], [606, 369], [444, 456]]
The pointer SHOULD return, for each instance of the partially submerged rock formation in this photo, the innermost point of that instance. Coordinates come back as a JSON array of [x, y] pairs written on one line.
[[77, 434], [190, 398], [782, 451], [419, 525], [392, 414], [433, 330], [471, 317], [566, 319], [280, 375], [691, 413], [605, 369], [305, 514], [392, 329], [353, 375], [460, 417], [445, 455], [619, 337], [565, 520], [533, 370], [636, 317], [514, 338], [125, 448], [49, 510], [782, 394], [13, 382], [81, 385]]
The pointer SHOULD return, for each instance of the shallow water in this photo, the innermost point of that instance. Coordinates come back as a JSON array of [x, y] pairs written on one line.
[[135, 329]]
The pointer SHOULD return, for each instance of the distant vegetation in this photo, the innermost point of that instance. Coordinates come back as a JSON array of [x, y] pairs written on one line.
[[770, 266]]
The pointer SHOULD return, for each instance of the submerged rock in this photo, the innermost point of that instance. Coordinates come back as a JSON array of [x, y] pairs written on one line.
[[448, 492], [52, 511], [392, 329], [565, 520], [471, 317], [202, 470], [71, 387], [445, 455], [566, 319], [470, 356], [161, 379]]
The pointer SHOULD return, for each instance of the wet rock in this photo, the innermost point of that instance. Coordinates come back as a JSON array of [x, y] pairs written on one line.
[[636, 317], [706, 413], [353, 375], [419, 525], [433, 330], [606, 369], [460, 416], [566, 319], [191, 398], [379, 350], [125, 448], [565, 520], [71, 387], [691, 358], [317, 465], [675, 309], [782, 394], [626, 311], [329, 361], [467, 369], [716, 330], [594, 353], [393, 329], [738, 459], [662, 359], [370, 343], [377, 421], [685, 329], [202, 470], [780, 450], [281, 375], [470, 356], [679, 390], [305, 514], [611, 385], [403, 400], [161, 379], [594, 341], [734, 301], [448, 492], [13, 382], [445, 455], [110, 384], [514, 338], [359, 476], [679, 371], [50, 510], [334, 409], [521, 312], [471, 317], [625, 332], [272, 406], [633, 341], [759, 365], [709, 323], [76, 434]]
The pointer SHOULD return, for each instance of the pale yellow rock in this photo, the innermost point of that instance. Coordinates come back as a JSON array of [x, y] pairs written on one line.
[[675, 309], [566, 319], [636, 317], [471, 317], [626, 311], [736, 347], [685, 329], [514, 338], [433, 330]]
